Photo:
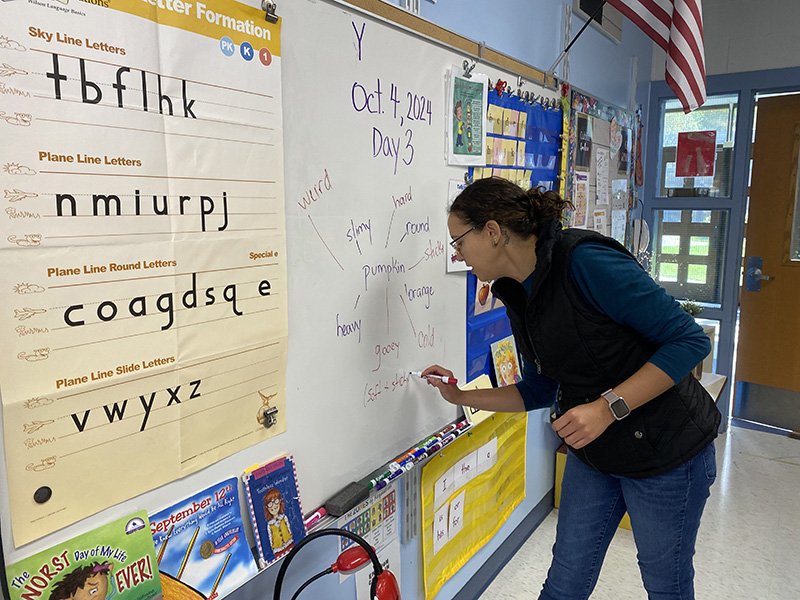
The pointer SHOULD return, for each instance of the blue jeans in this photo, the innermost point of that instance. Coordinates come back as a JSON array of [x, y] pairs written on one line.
[[665, 514]]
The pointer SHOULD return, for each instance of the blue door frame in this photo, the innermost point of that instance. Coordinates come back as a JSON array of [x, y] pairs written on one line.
[[745, 85]]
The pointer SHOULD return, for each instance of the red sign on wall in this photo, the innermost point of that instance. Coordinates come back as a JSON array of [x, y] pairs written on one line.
[[696, 153]]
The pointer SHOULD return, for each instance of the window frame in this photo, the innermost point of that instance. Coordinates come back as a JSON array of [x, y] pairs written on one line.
[[714, 260], [724, 148]]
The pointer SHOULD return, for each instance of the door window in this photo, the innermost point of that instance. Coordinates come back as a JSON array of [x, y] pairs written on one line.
[[717, 115], [689, 253]]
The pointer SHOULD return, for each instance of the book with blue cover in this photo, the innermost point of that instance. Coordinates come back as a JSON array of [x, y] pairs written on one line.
[[275, 510], [201, 547]]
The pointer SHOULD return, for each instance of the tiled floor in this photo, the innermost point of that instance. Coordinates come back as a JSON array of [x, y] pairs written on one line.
[[749, 540]]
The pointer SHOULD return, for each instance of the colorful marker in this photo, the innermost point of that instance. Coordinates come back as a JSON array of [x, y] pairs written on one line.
[[374, 481], [434, 448], [318, 514], [443, 433], [430, 440], [443, 378]]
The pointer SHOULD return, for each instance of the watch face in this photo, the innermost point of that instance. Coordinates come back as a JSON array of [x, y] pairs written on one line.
[[619, 408]]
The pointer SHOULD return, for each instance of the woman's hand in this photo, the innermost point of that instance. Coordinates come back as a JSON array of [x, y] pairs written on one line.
[[449, 391], [583, 424]]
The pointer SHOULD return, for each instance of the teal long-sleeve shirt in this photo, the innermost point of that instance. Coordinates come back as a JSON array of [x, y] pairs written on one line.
[[614, 284]]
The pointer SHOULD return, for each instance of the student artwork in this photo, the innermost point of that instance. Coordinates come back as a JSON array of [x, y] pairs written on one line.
[[116, 560], [623, 165], [201, 546], [275, 511], [583, 145], [467, 135], [506, 364], [483, 296], [454, 188], [580, 199]]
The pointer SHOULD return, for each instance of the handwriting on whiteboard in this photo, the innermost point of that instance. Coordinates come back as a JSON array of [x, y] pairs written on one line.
[[392, 142]]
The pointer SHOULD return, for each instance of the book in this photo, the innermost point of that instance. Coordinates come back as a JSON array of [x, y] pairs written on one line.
[[273, 498], [201, 547], [505, 361], [116, 560]]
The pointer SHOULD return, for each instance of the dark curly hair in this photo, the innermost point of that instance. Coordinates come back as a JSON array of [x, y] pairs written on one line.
[[521, 211], [75, 579]]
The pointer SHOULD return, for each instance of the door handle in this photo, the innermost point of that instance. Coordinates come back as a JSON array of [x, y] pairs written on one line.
[[754, 275]]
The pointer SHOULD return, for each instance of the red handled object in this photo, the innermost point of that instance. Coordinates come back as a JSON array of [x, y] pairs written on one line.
[[351, 560], [387, 587]]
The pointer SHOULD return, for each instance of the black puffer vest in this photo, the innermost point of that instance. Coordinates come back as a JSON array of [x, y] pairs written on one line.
[[588, 353]]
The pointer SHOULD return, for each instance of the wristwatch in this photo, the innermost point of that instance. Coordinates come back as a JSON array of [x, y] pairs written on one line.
[[617, 405]]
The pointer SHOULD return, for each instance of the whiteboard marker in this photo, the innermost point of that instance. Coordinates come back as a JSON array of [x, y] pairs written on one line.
[[316, 516], [444, 378]]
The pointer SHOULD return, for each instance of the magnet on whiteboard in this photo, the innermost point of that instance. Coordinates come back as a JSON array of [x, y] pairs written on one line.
[[269, 417], [42, 495]]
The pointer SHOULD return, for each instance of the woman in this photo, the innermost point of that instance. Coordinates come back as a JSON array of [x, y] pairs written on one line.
[[601, 339]]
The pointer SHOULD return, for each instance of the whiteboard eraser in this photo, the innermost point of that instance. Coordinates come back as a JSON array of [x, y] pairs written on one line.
[[346, 499]]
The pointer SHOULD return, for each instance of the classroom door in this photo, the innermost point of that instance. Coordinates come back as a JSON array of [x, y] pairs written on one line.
[[768, 359]]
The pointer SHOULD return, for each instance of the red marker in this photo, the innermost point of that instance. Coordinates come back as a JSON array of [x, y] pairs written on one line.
[[443, 378]]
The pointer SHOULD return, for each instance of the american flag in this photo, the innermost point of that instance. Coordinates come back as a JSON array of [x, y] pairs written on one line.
[[676, 26]]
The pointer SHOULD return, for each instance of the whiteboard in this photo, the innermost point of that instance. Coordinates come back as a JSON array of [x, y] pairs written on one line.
[[366, 197], [369, 298]]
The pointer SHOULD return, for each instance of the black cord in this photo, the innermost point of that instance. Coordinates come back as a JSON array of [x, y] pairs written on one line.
[[312, 580], [588, 21], [376, 564]]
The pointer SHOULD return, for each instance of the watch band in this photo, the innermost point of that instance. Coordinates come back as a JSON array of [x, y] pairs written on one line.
[[619, 408]]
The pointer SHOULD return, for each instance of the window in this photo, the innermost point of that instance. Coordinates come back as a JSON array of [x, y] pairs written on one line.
[[689, 253], [717, 114]]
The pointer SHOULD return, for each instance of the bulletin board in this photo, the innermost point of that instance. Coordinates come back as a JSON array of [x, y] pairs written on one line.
[[523, 140], [522, 145], [468, 491], [328, 162], [599, 167]]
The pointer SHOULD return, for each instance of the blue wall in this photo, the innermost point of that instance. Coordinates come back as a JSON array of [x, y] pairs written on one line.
[[531, 31]]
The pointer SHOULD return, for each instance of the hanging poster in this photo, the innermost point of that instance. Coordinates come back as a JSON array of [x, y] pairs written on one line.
[[583, 149], [624, 153], [467, 99], [695, 153], [602, 186], [143, 316], [581, 194]]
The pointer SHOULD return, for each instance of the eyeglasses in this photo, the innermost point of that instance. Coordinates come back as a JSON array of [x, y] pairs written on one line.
[[454, 243]]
